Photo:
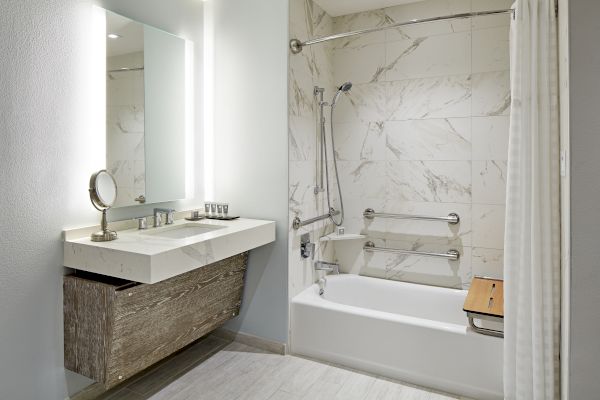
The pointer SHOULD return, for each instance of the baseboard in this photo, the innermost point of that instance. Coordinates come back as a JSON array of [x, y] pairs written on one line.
[[251, 340], [89, 393]]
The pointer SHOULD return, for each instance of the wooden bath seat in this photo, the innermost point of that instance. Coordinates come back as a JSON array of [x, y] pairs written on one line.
[[485, 301]]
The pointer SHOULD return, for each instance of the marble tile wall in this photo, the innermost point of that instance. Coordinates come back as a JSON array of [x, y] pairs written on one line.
[[424, 130], [312, 67], [125, 127]]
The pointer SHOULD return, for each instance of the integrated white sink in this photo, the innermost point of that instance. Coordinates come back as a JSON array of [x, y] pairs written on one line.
[[156, 254], [182, 231]]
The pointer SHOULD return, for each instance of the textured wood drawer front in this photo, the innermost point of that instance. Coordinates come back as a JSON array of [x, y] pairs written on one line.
[[112, 334]]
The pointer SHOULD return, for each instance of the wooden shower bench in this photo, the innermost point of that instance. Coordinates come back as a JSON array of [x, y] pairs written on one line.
[[485, 301]]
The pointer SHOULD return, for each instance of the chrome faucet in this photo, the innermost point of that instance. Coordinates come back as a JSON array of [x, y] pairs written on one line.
[[327, 267], [169, 212]]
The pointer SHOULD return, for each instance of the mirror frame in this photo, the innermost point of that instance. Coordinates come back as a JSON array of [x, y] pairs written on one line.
[[95, 197]]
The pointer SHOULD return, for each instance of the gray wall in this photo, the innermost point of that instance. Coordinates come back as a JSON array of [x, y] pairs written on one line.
[[251, 157], [48, 149], [584, 22]]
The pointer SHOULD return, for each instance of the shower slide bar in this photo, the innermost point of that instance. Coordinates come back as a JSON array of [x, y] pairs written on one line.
[[296, 45], [451, 255], [452, 218], [297, 223]]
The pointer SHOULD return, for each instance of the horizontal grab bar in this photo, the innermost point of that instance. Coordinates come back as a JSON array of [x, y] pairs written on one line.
[[297, 223], [452, 255], [452, 218]]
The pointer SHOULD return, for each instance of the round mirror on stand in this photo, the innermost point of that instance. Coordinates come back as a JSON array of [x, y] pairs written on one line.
[[103, 193]]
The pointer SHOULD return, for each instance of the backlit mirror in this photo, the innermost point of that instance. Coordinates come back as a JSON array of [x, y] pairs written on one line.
[[145, 109]]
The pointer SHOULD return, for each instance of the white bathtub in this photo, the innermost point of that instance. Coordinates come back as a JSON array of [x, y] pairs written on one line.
[[410, 332]]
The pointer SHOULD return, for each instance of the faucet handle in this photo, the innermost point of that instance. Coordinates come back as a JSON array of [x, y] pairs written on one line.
[[170, 216], [142, 223], [157, 219], [170, 213]]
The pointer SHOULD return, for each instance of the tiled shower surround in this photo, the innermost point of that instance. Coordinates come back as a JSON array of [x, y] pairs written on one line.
[[424, 130], [125, 157]]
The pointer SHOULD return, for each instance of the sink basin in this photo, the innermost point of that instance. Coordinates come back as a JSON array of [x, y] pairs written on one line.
[[183, 231]]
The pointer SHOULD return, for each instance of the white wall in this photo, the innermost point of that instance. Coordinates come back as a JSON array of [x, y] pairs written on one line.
[[584, 29], [250, 142], [51, 140]]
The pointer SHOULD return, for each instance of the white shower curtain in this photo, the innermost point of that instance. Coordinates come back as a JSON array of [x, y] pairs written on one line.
[[532, 238]]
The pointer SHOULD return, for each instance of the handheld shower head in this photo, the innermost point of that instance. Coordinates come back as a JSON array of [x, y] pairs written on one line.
[[345, 87]]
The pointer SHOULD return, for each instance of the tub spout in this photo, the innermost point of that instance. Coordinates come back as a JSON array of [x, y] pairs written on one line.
[[322, 283], [327, 267]]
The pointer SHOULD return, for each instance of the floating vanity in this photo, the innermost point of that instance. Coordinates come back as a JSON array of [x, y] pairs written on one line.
[[133, 301], [155, 254]]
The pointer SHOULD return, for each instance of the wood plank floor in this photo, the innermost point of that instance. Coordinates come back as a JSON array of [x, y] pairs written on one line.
[[215, 369]]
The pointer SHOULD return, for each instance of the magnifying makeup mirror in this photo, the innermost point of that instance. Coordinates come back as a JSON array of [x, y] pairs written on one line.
[[103, 193]]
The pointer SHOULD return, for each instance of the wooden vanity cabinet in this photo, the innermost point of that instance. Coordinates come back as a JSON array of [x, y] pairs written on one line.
[[115, 328]]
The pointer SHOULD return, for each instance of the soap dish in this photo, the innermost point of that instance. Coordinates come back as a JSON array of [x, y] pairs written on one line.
[[198, 218], [345, 236], [228, 218]]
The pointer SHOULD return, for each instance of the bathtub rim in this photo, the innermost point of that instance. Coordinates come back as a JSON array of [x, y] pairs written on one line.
[[310, 296]]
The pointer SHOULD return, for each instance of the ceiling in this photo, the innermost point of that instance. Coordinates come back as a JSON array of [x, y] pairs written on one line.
[[336, 8], [131, 34]]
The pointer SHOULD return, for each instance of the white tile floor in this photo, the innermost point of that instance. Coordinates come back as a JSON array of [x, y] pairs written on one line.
[[213, 369]]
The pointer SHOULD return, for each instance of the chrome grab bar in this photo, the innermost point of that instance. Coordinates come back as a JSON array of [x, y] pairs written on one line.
[[452, 255], [297, 223], [452, 218]]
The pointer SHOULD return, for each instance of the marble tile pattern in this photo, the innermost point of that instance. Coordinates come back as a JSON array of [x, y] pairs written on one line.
[[313, 67], [146, 256], [125, 157], [213, 368], [424, 130]]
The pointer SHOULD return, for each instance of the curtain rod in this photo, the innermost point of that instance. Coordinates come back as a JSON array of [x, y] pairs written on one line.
[[296, 45], [125, 70]]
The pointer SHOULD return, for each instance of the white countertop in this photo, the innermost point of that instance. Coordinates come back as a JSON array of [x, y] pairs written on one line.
[[141, 256]]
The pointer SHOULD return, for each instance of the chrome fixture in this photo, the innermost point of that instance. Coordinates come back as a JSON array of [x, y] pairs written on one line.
[[297, 45], [484, 331], [452, 218], [307, 249], [318, 93], [327, 267], [345, 87], [125, 69], [322, 153], [103, 193], [322, 283], [169, 212], [297, 223], [142, 223], [140, 199], [451, 255], [194, 216]]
